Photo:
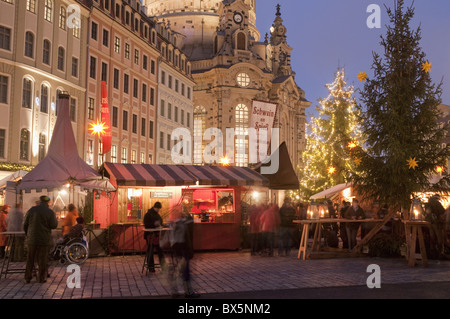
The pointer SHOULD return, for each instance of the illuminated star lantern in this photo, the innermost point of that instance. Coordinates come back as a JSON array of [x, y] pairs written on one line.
[[331, 170], [357, 161], [98, 128], [426, 67], [351, 145], [362, 77], [439, 169], [224, 161], [412, 163]]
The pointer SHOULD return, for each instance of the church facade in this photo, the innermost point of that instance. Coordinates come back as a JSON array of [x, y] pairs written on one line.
[[232, 67]]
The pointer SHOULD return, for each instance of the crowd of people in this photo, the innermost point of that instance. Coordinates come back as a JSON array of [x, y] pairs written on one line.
[[269, 220], [37, 223]]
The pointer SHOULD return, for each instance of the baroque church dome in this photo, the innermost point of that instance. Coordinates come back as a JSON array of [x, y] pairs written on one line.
[[196, 20]]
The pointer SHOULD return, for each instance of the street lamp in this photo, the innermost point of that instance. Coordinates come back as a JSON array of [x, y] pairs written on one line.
[[416, 211]]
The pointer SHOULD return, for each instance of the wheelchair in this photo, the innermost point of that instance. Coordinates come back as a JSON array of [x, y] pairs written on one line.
[[72, 250]]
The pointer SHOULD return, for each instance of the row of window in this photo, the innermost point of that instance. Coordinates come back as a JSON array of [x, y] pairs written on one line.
[[5, 44], [113, 154], [127, 48], [25, 145], [174, 84], [175, 114]]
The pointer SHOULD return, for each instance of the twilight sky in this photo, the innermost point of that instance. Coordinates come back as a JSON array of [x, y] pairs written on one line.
[[328, 33]]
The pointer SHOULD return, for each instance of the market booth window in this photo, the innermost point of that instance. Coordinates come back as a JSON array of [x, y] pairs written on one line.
[[211, 205]]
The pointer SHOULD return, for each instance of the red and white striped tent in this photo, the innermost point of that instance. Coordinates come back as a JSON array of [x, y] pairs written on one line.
[[181, 175]]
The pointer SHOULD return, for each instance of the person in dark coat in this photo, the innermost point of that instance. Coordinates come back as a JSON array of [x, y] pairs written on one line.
[[183, 248], [287, 227], [354, 212], [152, 219], [38, 224], [435, 214], [342, 227]]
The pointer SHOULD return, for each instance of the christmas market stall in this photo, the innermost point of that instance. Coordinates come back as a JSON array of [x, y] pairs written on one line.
[[211, 194]]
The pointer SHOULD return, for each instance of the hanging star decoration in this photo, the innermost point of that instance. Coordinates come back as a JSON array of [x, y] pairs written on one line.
[[331, 170], [362, 76], [98, 128], [412, 163], [357, 161], [426, 66]]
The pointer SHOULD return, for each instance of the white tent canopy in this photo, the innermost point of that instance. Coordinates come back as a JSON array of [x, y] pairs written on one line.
[[63, 165], [331, 191], [13, 177]]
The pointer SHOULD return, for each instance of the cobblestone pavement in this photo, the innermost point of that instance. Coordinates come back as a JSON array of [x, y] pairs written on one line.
[[217, 272]]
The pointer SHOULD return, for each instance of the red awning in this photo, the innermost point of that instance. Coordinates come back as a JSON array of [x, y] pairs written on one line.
[[182, 175]]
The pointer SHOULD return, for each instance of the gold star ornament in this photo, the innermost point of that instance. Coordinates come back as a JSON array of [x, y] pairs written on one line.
[[362, 76], [426, 67], [357, 161], [412, 163]]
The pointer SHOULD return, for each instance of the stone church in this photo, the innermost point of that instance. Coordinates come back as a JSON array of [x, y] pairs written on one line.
[[232, 67]]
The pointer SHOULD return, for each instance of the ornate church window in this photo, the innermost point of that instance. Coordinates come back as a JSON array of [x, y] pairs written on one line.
[[243, 79], [241, 132]]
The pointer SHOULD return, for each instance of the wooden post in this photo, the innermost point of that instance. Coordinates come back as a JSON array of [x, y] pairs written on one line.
[[304, 241], [373, 232]]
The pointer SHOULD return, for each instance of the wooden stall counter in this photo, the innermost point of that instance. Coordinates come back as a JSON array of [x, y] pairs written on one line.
[[216, 236]]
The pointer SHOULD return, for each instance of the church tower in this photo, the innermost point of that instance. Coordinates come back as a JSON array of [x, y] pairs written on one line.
[[281, 51]]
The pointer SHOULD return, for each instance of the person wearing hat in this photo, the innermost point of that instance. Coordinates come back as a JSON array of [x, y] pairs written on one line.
[[3, 239], [38, 225]]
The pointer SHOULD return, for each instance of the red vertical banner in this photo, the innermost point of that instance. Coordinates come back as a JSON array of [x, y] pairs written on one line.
[[106, 137]]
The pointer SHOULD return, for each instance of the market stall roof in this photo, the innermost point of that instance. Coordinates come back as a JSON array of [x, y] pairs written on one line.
[[62, 164], [227, 175], [331, 191], [13, 177], [181, 175], [285, 178]]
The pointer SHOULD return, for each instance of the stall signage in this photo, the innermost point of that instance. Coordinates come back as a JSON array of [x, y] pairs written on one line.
[[161, 194]]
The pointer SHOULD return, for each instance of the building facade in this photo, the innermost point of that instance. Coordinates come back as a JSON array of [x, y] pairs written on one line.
[[175, 96], [45, 50], [122, 52], [42, 53], [232, 68]]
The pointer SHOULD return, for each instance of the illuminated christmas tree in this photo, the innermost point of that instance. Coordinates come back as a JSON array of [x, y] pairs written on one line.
[[330, 137]]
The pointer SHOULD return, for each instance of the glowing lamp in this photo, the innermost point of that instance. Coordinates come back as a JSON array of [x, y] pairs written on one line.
[[323, 211], [331, 170], [416, 211], [225, 161], [439, 169], [313, 211]]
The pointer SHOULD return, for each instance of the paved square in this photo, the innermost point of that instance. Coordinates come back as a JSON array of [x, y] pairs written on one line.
[[217, 272]]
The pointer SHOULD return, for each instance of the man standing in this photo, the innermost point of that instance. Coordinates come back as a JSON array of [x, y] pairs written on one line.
[[152, 219], [354, 212], [287, 227], [38, 225]]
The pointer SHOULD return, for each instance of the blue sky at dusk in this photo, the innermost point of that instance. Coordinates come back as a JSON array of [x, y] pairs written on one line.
[[328, 33]]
